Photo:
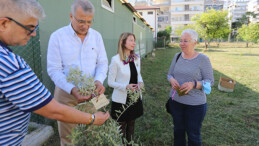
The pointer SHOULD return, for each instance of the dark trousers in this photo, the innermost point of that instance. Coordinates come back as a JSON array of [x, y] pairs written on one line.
[[187, 119]]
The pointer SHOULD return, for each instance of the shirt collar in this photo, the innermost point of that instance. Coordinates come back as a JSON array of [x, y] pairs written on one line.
[[5, 46], [72, 31]]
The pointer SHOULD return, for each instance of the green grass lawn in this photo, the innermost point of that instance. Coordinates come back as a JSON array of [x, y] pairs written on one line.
[[232, 118]]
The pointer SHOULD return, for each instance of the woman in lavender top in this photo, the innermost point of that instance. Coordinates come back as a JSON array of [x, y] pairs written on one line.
[[187, 73]]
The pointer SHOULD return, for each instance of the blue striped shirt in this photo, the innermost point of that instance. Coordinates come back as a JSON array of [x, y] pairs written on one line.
[[188, 70], [21, 92]]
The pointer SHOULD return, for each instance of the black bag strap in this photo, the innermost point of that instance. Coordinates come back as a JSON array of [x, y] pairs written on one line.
[[167, 103], [178, 57]]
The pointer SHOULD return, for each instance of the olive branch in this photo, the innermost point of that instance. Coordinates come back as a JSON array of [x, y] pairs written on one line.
[[107, 134]]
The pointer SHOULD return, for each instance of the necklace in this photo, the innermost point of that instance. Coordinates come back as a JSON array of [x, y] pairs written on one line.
[[128, 59]]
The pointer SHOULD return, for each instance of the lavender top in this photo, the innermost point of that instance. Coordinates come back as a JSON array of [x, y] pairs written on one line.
[[188, 70]]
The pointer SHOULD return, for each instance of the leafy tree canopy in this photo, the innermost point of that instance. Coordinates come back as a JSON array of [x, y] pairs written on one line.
[[212, 24], [179, 30], [244, 19], [249, 33], [165, 33]]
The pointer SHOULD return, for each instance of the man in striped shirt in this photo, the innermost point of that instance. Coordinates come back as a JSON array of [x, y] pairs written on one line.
[[21, 92]]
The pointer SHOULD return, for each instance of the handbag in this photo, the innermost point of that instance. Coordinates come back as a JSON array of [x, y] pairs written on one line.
[[167, 106]]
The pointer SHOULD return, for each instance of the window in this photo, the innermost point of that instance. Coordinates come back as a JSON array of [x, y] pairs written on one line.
[[160, 19], [186, 17], [178, 9], [108, 5], [186, 7], [166, 18], [150, 13], [195, 8], [178, 18], [134, 19], [141, 13]]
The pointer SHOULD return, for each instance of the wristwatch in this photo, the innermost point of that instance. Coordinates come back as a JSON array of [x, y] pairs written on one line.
[[93, 118]]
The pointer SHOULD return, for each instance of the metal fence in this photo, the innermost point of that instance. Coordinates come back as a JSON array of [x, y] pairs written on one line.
[[31, 53]]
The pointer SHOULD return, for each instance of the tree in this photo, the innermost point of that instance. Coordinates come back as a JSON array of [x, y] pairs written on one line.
[[244, 19], [180, 29], [212, 25], [249, 33], [168, 29], [165, 35]]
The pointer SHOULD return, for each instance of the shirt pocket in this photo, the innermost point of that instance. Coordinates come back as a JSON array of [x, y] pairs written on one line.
[[91, 54]]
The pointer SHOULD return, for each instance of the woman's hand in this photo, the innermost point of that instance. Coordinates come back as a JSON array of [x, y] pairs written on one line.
[[174, 83], [132, 87], [140, 85], [187, 86]]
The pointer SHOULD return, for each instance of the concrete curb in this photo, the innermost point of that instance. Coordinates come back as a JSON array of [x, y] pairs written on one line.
[[38, 136]]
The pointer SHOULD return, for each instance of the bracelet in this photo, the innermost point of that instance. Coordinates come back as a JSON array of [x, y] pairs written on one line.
[[92, 119], [195, 83], [89, 121]]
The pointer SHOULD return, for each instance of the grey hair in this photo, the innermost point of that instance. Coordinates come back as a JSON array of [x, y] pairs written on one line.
[[21, 9], [194, 35], [86, 5]]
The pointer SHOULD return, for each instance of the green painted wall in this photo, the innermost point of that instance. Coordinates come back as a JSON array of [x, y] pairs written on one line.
[[112, 24], [109, 24]]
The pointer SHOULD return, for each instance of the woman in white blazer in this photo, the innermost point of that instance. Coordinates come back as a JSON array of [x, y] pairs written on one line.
[[124, 73]]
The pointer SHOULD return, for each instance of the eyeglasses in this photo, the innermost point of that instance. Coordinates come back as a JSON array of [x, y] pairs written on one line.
[[30, 30], [184, 41], [83, 21]]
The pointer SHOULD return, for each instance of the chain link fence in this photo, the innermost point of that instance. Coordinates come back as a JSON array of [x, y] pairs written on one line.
[[31, 53]]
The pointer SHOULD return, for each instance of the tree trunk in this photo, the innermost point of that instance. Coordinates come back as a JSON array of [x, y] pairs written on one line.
[[218, 41], [247, 44], [206, 45], [229, 37]]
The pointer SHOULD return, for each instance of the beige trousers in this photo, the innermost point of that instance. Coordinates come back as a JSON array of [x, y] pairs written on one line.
[[65, 129]]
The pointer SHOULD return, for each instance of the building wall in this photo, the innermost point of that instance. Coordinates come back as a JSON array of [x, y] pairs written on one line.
[[151, 17], [237, 8], [182, 12], [109, 24], [214, 4], [253, 6], [164, 15]]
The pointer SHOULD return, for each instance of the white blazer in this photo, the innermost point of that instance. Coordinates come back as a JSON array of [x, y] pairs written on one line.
[[119, 77]]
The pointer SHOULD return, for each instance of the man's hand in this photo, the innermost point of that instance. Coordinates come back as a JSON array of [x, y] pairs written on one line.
[[78, 96], [100, 118], [99, 87]]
